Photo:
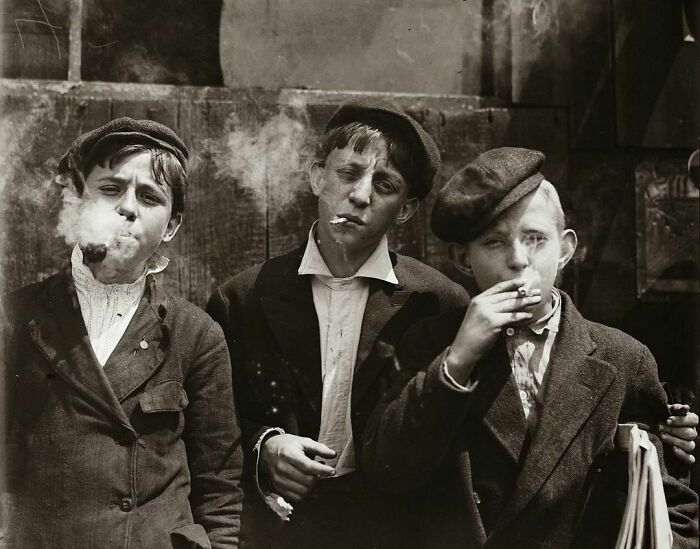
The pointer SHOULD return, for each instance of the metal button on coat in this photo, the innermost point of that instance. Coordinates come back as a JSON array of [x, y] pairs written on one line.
[[510, 331], [477, 499], [126, 504]]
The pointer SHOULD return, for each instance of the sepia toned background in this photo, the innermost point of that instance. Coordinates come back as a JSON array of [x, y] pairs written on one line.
[[606, 88]]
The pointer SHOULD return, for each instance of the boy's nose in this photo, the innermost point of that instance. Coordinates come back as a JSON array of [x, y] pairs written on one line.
[[519, 256], [361, 193], [127, 205]]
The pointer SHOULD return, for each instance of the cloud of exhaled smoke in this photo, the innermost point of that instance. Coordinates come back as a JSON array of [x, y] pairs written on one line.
[[267, 158]]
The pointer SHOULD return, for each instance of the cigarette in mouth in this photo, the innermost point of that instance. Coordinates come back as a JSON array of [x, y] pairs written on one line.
[[94, 252], [338, 220]]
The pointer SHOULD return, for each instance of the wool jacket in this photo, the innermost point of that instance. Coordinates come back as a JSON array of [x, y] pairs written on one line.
[[271, 325], [477, 476], [144, 452]]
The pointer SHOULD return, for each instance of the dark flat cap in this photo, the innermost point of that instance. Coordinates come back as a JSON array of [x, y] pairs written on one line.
[[481, 191], [383, 113], [128, 131]]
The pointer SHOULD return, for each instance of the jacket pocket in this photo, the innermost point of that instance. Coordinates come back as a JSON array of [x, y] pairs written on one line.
[[166, 396], [190, 536]]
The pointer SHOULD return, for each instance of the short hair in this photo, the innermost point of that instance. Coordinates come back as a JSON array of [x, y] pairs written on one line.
[[552, 196], [165, 167], [360, 135]]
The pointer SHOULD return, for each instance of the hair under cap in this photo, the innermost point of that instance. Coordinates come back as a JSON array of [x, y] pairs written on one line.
[[481, 191], [382, 113]]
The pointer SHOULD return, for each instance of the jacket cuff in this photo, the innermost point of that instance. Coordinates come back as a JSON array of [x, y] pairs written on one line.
[[274, 501]]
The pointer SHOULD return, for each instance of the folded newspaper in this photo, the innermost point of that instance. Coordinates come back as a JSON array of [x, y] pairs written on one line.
[[646, 504]]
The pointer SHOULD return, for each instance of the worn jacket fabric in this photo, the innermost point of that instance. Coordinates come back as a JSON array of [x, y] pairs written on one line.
[[482, 481], [269, 319], [143, 453]]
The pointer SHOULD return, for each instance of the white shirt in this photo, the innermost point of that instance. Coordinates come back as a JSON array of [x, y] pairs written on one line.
[[340, 306], [107, 309]]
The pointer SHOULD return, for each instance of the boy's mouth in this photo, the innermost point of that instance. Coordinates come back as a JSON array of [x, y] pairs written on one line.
[[346, 218]]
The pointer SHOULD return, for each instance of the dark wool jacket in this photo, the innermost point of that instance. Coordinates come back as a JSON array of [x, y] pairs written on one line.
[[271, 325], [142, 453], [480, 481]]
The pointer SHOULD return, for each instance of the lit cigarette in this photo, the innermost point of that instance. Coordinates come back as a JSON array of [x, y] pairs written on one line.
[[523, 291], [338, 220]]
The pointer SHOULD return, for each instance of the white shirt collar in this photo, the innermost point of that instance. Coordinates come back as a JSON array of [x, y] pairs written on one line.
[[84, 278], [378, 264], [550, 321]]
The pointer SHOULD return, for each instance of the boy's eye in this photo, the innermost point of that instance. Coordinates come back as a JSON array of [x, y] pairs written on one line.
[[534, 239], [493, 242], [347, 173], [151, 199], [110, 190], [385, 186]]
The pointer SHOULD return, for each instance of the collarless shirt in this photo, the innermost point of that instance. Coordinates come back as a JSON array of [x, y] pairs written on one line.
[[340, 307], [107, 309], [529, 349]]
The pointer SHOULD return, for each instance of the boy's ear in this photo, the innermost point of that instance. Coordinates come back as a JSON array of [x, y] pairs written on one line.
[[569, 241], [173, 226], [460, 257], [407, 210], [316, 177]]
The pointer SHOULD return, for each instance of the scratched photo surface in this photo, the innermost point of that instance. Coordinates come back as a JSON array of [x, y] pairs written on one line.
[[249, 86]]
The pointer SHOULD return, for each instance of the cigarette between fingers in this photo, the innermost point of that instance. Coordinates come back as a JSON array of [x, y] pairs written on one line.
[[523, 291]]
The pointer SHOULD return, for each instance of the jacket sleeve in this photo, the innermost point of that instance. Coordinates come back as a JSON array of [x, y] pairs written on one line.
[[397, 452], [645, 403], [213, 441], [225, 313]]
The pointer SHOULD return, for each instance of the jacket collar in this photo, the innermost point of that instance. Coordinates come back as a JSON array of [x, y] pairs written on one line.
[[576, 385], [59, 333], [287, 302]]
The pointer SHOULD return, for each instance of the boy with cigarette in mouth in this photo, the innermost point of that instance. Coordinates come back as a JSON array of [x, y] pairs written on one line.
[[505, 423], [121, 426], [311, 336]]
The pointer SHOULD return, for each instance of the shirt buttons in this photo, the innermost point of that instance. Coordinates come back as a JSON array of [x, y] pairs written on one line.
[[477, 498], [126, 504], [510, 331]]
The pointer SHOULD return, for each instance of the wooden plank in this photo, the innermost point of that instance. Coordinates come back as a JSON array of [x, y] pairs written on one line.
[[164, 111], [224, 229], [75, 40], [37, 130]]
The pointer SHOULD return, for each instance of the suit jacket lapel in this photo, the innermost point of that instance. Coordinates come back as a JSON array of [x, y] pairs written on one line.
[[291, 315], [130, 365], [576, 384], [61, 336], [503, 413], [383, 302]]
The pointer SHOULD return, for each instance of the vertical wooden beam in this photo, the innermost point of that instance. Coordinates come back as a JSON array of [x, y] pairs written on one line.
[[75, 40]]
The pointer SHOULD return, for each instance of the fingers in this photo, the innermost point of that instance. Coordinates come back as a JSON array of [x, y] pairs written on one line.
[[289, 489], [678, 409], [686, 445], [313, 448], [686, 458], [686, 433], [690, 420], [310, 467]]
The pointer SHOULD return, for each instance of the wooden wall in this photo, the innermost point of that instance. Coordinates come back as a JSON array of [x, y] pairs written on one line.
[[230, 223]]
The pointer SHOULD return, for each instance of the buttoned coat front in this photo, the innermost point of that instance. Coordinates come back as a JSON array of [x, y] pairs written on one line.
[[269, 319], [143, 452], [477, 476]]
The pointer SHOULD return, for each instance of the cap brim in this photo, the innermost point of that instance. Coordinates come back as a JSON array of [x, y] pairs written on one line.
[[134, 137]]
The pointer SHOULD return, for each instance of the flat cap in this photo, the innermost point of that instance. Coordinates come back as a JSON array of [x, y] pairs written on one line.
[[481, 191], [127, 130], [382, 113]]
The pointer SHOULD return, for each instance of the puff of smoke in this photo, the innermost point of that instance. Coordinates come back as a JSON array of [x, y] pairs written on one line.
[[270, 156], [94, 226]]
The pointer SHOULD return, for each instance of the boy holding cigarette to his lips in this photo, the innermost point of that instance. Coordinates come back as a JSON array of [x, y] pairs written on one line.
[[504, 424], [121, 427], [309, 333]]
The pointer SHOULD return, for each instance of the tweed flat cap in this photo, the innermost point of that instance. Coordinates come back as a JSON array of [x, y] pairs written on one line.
[[383, 113], [126, 130], [481, 191]]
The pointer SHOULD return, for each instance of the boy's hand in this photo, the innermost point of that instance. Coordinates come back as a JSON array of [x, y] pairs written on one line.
[[680, 432], [487, 315], [288, 461]]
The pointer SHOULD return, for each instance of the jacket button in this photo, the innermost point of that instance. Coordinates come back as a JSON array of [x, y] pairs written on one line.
[[477, 499], [126, 504]]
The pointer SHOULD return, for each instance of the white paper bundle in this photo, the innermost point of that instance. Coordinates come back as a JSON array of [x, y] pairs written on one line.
[[646, 503]]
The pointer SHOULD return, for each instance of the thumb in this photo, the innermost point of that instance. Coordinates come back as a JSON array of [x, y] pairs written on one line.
[[313, 448]]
